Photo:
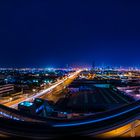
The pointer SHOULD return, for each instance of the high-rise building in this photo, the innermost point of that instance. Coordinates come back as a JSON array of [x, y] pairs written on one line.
[[93, 65]]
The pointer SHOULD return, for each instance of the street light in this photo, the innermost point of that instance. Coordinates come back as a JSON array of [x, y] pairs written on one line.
[[34, 90]]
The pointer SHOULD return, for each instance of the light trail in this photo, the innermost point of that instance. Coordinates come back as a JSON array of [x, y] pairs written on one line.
[[46, 90]]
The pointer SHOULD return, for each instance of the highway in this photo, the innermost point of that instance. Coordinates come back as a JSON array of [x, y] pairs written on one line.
[[58, 92], [14, 104], [15, 123]]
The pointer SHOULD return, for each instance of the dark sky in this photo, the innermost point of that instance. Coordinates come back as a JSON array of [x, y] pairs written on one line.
[[42, 33]]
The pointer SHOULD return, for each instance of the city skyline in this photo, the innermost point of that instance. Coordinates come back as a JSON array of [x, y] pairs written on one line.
[[69, 69]]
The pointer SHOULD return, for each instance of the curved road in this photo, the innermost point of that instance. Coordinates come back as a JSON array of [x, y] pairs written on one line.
[[53, 128]]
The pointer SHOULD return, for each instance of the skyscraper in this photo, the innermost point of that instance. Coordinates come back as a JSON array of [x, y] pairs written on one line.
[[93, 65]]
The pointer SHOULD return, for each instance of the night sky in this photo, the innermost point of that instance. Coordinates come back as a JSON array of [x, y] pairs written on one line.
[[53, 33]]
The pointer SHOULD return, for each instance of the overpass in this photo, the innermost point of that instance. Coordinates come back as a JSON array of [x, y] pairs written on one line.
[[37, 127]]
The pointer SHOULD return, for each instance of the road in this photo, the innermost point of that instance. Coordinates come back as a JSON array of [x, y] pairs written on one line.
[[124, 132], [119, 118], [58, 92], [66, 81], [130, 133]]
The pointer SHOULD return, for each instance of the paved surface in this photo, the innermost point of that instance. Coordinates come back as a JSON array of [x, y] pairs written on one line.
[[95, 100]]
